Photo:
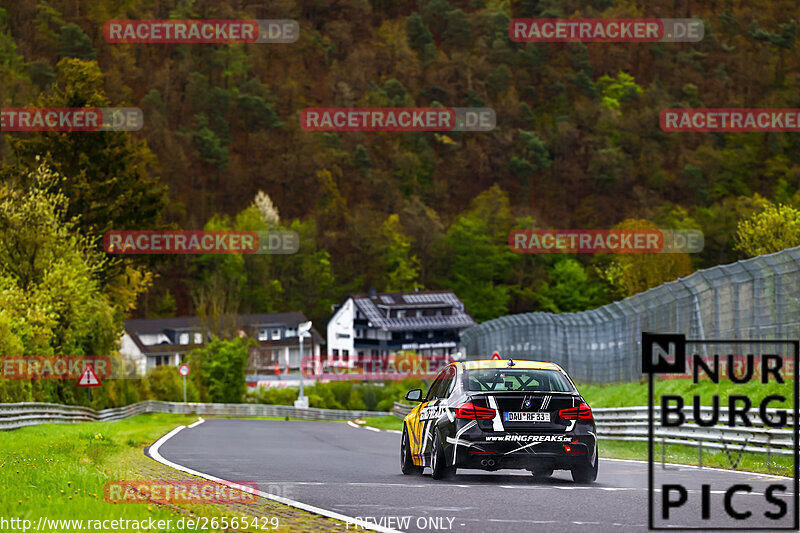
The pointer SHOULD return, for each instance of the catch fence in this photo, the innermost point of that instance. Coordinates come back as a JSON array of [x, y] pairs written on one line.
[[754, 299]]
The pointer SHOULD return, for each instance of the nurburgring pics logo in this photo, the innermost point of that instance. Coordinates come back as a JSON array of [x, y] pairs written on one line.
[[398, 119], [594, 30], [201, 31], [200, 242], [605, 241], [730, 120], [714, 502], [71, 119]]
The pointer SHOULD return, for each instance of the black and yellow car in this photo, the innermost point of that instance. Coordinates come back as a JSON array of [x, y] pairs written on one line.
[[495, 414]]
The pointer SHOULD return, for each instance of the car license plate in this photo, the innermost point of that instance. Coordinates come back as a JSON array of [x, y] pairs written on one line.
[[526, 416]]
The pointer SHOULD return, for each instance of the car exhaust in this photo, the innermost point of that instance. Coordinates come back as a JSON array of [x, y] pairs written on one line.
[[490, 462], [484, 462]]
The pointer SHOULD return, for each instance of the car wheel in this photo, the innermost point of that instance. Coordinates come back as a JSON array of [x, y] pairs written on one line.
[[586, 473], [439, 468], [407, 465]]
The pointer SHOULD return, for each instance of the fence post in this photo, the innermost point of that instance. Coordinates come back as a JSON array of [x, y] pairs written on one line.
[[700, 452]]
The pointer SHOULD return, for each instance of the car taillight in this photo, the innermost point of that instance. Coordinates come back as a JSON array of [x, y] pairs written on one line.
[[582, 412], [468, 410]]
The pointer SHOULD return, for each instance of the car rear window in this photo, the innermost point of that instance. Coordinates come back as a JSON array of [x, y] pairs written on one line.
[[513, 379]]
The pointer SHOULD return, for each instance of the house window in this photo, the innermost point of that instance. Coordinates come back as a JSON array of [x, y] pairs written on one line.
[[335, 352], [409, 335], [276, 334], [198, 338], [401, 313], [438, 312], [183, 338], [262, 335], [419, 313], [430, 334]]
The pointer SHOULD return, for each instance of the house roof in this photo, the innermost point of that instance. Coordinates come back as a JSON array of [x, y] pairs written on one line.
[[372, 307], [140, 326]]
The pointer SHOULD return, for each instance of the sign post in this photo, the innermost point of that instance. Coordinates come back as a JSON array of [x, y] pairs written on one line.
[[302, 331], [184, 371]]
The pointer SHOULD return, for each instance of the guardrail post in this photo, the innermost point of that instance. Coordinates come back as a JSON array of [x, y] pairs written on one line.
[[769, 465], [700, 452]]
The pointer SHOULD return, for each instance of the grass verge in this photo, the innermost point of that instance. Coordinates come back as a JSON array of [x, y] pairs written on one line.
[[59, 471]]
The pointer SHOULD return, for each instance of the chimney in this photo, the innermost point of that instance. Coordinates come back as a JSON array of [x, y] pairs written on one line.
[[372, 292]]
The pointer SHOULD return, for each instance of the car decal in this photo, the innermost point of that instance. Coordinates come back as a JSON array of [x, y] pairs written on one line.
[[546, 402], [524, 447], [497, 423], [432, 412], [526, 402], [529, 438], [572, 423], [471, 424]]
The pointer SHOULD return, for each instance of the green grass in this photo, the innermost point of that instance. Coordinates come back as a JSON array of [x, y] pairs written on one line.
[[633, 394], [60, 470], [688, 455], [385, 422]]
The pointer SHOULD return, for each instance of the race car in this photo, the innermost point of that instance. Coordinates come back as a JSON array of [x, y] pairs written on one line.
[[494, 414]]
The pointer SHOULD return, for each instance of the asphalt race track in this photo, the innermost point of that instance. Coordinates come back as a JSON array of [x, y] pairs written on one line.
[[356, 472]]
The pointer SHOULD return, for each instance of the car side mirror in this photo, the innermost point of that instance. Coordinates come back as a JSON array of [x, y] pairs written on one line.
[[414, 395]]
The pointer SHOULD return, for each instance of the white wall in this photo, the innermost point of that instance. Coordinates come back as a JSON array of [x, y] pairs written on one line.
[[341, 324]]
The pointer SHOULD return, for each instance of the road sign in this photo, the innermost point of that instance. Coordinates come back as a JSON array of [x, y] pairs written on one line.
[[183, 370], [89, 378], [496, 356]]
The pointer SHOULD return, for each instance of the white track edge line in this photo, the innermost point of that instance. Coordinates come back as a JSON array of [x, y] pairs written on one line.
[[200, 420], [153, 451]]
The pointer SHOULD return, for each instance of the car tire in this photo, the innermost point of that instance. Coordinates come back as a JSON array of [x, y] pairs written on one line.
[[586, 473], [407, 465], [439, 468]]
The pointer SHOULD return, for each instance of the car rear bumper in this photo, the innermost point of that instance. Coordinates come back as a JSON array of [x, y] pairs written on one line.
[[571, 451]]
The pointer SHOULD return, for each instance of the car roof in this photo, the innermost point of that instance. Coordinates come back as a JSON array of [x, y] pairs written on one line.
[[503, 363]]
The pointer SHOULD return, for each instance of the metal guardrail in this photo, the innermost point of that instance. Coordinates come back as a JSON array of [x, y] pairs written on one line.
[[630, 423], [17, 415]]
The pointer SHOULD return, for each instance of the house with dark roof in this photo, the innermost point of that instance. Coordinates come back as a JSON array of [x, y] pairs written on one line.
[[151, 342], [373, 326]]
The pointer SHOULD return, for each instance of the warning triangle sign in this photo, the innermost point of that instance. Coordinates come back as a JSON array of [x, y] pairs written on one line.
[[496, 356], [89, 378]]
